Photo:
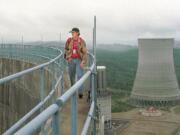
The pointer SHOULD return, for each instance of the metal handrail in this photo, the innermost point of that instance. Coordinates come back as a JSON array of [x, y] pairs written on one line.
[[74, 88], [88, 120], [36, 123], [19, 123], [53, 109], [21, 73]]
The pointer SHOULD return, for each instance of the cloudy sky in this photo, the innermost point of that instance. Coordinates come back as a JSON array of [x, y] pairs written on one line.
[[118, 21]]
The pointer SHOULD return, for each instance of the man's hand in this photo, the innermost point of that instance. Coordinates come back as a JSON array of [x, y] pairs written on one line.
[[69, 60], [82, 65]]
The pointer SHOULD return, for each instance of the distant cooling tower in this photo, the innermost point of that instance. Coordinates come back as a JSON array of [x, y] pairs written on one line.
[[155, 83]]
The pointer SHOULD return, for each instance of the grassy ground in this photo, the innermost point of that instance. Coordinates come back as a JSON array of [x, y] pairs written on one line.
[[177, 110], [121, 67]]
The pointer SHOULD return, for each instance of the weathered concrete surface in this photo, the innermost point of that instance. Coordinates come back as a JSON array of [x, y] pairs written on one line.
[[83, 108], [155, 82], [166, 124], [19, 96]]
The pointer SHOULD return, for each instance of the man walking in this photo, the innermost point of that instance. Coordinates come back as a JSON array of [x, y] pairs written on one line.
[[76, 55]]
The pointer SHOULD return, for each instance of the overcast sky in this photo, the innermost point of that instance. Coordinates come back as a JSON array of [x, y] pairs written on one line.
[[118, 21]]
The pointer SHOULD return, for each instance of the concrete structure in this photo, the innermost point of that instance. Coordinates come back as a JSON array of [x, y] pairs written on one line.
[[101, 78], [155, 83], [103, 98], [21, 95], [25, 82], [104, 105]]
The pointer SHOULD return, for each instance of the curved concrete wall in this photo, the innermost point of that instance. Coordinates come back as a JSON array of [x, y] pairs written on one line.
[[155, 81], [19, 96]]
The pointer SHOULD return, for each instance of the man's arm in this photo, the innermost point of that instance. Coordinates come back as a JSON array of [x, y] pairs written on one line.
[[66, 48], [84, 51]]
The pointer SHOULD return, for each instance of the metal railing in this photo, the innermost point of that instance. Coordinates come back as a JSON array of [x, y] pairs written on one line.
[[53, 58], [53, 110]]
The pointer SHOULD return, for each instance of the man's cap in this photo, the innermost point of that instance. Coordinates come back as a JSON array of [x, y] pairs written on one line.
[[75, 30]]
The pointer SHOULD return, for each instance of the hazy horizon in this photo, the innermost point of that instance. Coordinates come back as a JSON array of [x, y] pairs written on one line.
[[117, 21]]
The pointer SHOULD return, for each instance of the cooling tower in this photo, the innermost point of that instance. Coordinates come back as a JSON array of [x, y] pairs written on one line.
[[155, 82]]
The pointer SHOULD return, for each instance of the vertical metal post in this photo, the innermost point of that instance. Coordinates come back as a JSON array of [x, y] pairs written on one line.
[[62, 79], [55, 124], [53, 81], [93, 127], [42, 79], [56, 116], [22, 40], [2, 41], [42, 83], [74, 114], [94, 38], [60, 38], [62, 83]]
